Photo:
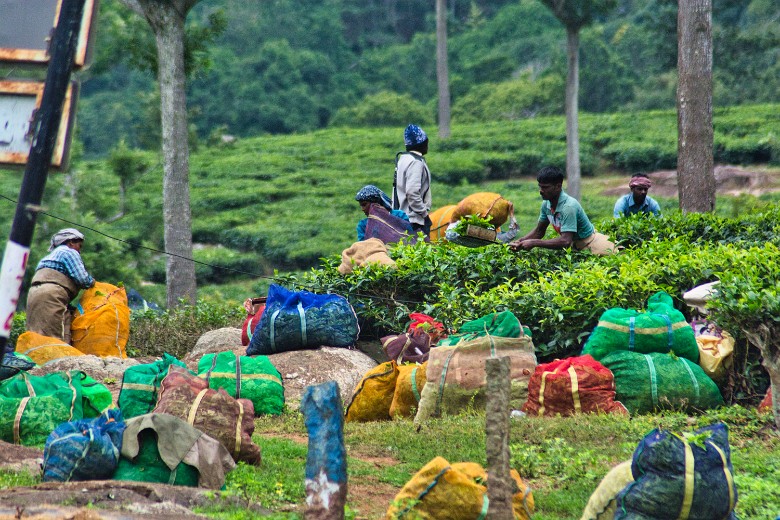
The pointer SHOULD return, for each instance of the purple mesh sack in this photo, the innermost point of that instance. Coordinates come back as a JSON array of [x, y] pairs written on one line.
[[388, 228]]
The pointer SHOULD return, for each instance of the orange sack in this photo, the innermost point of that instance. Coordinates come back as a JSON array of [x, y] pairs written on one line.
[[42, 349], [440, 219], [485, 204], [572, 385], [101, 325]]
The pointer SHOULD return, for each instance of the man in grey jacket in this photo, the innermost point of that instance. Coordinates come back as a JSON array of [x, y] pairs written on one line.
[[412, 185]]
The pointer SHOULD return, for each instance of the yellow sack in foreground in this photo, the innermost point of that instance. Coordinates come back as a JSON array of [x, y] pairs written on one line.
[[602, 504], [42, 349], [411, 380], [440, 219], [455, 492], [102, 324], [374, 394], [486, 205]]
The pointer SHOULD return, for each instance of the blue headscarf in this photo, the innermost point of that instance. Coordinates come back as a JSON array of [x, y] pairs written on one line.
[[371, 193], [414, 135]]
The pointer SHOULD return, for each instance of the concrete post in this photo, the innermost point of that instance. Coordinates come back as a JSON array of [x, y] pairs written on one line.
[[500, 485]]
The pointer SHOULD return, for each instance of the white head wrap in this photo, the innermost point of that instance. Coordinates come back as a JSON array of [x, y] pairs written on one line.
[[63, 235]]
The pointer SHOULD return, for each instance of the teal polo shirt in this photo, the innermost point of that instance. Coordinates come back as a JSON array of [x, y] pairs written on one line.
[[568, 216]]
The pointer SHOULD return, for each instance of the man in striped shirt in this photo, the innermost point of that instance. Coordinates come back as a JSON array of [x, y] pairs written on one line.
[[58, 278]]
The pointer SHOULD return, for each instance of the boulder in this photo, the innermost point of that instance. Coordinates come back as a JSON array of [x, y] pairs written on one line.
[[301, 368], [213, 341]]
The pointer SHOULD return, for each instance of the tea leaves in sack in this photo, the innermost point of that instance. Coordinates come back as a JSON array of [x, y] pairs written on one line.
[[373, 395], [455, 491], [645, 383], [214, 412], [42, 349], [689, 477], [141, 384], [456, 377], [254, 378], [84, 450], [661, 329], [295, 320], [31, 407], [102, 324], [408, 390], [500, 324], [572, 385]]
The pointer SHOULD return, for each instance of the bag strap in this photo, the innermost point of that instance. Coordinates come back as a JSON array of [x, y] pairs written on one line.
[[727, 474], [575, 390], [238, 377], [239, 422], [194, 409], [273, 330], [631, 333], [687, 502], [695, 381], [18, 420], [414, 384], [653, 380], [302, 314]]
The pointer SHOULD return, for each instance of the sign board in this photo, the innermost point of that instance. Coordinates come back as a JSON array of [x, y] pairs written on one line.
[[26, 28], [19, 100]]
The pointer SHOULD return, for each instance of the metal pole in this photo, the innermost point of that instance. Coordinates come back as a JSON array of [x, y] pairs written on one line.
[[45, 127]]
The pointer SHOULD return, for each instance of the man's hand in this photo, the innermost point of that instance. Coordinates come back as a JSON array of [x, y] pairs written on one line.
[[524, 243]]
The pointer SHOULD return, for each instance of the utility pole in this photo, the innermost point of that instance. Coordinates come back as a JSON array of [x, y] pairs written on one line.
[[44, 130]]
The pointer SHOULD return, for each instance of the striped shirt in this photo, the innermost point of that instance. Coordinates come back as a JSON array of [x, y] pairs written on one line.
[[68, 261]]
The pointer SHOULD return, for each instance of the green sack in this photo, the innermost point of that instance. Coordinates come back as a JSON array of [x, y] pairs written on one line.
[[148, 466], [141, 383], [661, 329], [648, 382], [500, 324], [31, 407], [254, 378], [97, 397]]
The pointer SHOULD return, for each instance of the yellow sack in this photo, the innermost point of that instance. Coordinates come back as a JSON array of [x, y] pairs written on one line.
[[484, 204], [411, 380], [374, 394], [602, 504], [440, 219], [102, 324], [42, 349], [455, 492], [715, 354]]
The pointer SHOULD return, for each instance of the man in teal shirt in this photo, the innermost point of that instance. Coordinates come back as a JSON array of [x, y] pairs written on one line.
[[567, 218]]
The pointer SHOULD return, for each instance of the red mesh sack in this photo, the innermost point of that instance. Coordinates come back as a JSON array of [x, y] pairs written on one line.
[[424, 323], [766, 404], [572, 385], [253, 315], [214, 412]]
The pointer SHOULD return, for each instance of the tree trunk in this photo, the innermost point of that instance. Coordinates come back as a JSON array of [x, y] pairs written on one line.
[[442, 70], [167, 22], [763, 337], [572, 114], [695, 174]]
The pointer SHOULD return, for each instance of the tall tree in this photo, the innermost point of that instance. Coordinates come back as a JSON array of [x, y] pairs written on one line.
[[442, 70], [574, 15], [695, 174], [166, 18]]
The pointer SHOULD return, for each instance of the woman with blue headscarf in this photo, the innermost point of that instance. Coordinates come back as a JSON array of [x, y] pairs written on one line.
[[369, 195]]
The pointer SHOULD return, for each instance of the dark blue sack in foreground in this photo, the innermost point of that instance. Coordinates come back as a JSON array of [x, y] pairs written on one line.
[[84, 450], [295, 320], [681, 477]]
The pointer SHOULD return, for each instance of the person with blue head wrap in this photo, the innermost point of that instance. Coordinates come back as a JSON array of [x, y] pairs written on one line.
[[412, 183], [369, 195]]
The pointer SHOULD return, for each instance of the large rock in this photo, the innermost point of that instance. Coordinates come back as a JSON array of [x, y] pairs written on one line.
[[213, 341], [20, 458], [301, 368], [108, 371]]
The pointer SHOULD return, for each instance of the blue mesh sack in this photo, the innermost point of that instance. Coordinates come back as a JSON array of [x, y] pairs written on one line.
[[681, 477], [87, 449], [295, 320]]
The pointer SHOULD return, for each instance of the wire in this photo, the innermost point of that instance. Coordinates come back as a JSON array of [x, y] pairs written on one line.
[[218, 267]]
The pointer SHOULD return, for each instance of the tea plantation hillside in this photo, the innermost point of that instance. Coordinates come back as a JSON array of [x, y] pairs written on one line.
[[283, 202]]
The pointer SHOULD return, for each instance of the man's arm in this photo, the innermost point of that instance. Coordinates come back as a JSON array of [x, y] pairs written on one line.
[[563, 241], [534, 235]]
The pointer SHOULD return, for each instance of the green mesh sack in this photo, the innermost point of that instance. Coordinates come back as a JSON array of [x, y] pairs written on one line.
[[661, 329], [499, 324], [31, 407], [148, 466], [96, 397], [649, 382], [141, 383], [254, 378]]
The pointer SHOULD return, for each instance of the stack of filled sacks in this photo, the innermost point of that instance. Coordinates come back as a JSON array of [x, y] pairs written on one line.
[[653, 357], [454, 491], [295, 320], [101, 327], [687, 476], [572, 385], [31, 407], [455, 372], [491, 206]]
